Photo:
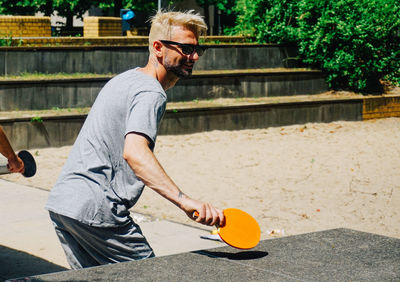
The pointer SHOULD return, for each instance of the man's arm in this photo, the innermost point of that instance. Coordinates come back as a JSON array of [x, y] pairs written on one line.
[[15, 164], [146, 167]]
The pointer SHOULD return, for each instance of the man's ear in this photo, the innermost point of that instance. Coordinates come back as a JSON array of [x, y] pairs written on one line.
[[157, 47]]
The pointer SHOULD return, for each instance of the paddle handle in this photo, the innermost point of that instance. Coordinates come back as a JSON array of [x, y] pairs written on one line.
[[196, 214]]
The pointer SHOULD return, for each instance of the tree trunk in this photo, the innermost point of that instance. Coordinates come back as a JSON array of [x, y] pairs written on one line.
[[206, 15], [117, 8], [70, 21]]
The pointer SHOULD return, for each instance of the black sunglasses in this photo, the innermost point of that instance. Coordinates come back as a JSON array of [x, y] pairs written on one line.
[[187, 49]]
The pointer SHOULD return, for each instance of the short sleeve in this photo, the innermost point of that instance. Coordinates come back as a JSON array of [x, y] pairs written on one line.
[[145, 113]]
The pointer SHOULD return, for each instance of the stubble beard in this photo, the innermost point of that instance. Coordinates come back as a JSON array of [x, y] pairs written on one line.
[[178, 69]]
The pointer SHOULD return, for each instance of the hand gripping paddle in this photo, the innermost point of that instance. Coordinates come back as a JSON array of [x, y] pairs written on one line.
[[29, 164], [240, 231]]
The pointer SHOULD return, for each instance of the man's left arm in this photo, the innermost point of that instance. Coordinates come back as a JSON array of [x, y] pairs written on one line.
[[15, 164]]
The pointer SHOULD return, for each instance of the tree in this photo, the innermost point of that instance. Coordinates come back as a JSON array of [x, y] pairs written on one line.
[[224, 6], [20, 7], [355, 42], [136, 5], [69, 9], [267, 20], [64, 8]]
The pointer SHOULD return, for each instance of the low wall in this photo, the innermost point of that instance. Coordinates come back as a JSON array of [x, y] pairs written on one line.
[[56, 131], [248, 84], [52, 132], [25, 26], [48, 94], [259, 116], [102, 26], [101, 60], [381, 107], [75, 93]]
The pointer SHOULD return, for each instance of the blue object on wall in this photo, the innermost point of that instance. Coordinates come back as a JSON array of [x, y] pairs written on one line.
[[127, 17]]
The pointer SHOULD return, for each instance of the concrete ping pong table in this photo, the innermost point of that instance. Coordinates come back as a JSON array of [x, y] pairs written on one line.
[[332, 255]]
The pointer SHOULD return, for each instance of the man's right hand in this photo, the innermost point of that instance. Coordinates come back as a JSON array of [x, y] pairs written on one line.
[[208, 215]]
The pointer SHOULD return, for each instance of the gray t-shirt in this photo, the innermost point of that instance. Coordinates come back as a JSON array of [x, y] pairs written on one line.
[[96, 185]]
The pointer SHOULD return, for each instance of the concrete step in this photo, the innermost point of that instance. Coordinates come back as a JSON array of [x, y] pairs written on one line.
[[54, 128], [116, 59], [71, 92]]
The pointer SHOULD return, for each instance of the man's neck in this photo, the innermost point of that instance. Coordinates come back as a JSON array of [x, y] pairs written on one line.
[[158, 71]]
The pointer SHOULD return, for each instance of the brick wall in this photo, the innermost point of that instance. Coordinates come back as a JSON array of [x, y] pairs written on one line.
[[102, 26], [381, 107], [25, 26]]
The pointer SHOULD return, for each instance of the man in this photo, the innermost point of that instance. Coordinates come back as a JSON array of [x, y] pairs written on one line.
[[15, 164], [112, 158]]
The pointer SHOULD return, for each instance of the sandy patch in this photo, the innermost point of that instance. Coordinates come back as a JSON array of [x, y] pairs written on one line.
[[298, 178]]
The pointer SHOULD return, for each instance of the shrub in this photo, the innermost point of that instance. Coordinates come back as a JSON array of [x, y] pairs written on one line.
[[267, 21], [355, 42], [6, 40]]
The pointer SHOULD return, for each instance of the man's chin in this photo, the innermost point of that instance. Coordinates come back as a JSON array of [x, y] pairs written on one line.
[[182, 73]]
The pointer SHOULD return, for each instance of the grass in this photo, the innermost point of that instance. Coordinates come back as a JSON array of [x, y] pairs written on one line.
[[47, 76], [62, 75], [38, 115]]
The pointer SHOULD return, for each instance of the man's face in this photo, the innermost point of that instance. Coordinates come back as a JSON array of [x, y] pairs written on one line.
[[175, 60]]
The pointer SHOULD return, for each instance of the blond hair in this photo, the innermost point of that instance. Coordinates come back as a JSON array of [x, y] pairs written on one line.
[[163, 22]]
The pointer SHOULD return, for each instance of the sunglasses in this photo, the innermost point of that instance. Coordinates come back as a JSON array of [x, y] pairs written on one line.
[[187, 49]]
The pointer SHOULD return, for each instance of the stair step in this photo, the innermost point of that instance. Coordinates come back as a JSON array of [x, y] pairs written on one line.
[[54, 128], [48, 92], [108, 59], [54, 113], [61, 77]]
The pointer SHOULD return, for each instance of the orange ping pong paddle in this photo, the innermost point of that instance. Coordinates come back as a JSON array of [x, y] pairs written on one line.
[[240, 231]]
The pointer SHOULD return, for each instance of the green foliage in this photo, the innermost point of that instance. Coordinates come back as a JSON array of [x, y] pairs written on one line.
[[136, 5], [71, 7], [6, 40], [61, 7], [37, 119], [356, 42], [267, 21], [67, 7], [222, 5], [50, 76], [19, 7]]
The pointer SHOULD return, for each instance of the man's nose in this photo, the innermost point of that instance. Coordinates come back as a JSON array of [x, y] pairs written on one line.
[[194, 56]]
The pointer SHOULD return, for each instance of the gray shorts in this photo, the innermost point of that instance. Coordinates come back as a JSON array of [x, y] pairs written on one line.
[[87, 246]]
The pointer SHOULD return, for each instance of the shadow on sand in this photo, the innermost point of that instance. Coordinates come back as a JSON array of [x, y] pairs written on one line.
[[17, 264]]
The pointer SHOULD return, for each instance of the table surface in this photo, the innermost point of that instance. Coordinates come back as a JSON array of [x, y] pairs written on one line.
[[337, 254]]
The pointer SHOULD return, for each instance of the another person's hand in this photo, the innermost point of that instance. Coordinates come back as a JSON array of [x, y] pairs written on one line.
[[16, 165], [208, 215]]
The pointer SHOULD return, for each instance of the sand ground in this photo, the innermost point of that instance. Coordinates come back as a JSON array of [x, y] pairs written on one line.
[[293, 179]]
